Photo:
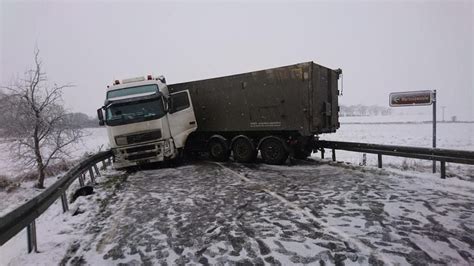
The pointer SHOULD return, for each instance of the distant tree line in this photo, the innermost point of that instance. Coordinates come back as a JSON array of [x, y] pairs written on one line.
[[364, 110], [82, 120]]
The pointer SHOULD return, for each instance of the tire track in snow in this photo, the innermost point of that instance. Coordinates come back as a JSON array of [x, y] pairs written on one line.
[[305, 212], [414, 177]]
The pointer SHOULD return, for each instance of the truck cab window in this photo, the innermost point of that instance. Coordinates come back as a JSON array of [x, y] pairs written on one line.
[[135, 91], [133, 112], [179, 101]]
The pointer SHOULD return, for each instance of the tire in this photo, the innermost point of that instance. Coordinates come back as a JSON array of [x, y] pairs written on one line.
[[218, 150], [273, 151], [243, 150]]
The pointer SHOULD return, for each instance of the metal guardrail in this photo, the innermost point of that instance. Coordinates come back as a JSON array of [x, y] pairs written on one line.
[[441, 155], [25, 215]]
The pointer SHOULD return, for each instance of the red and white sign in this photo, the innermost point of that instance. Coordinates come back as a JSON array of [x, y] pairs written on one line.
[[411, 98]]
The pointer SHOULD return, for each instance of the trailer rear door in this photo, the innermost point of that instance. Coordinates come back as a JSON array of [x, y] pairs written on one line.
[[324, 100]]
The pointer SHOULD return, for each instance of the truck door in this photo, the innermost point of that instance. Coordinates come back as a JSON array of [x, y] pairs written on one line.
[[181, 117]]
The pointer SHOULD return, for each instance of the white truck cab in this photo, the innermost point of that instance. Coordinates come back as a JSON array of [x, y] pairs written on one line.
[[145, 123]]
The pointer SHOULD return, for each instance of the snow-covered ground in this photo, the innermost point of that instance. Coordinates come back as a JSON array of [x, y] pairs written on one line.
[[449, 136], [56, 230], [394, 118], [384, 119], [312, 213], [52, 221], [94, 139]]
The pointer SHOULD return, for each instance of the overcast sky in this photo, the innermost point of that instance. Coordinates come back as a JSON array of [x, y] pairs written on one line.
[[381, 46]]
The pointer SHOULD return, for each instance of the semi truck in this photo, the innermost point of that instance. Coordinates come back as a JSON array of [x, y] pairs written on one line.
[[278, 112]]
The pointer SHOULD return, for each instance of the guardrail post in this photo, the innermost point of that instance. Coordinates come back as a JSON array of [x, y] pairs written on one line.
[[81, 180], [64, 202], [322, 153], [434, 127], [443, 170], [91, 174], [333, 155], [97, 173], [31, 237], [379, 160]]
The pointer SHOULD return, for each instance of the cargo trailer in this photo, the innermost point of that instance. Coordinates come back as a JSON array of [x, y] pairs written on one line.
[[286, 106]]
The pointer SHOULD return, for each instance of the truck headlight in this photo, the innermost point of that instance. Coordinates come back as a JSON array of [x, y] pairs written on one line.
[[121, 140], [167, 145]]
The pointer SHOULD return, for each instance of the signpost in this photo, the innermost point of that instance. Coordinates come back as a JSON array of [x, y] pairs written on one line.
[[416, 98]]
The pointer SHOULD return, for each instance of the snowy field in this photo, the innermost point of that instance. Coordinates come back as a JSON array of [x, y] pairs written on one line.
[[449, 136], [398, 117]]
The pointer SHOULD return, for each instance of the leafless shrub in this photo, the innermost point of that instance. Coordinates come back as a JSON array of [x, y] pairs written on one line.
[[405, 165], [36, 121], [57, 168], [52, 169], [8, 185], [4, 182]]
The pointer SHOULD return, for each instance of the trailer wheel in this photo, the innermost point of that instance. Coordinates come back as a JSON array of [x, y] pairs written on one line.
[[244, 150], [273, 151], [218, 150]]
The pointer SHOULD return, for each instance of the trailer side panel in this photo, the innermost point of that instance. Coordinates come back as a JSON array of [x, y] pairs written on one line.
[[292, 98]]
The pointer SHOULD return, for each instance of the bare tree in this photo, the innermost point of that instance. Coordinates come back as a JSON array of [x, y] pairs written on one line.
[[36, 121]]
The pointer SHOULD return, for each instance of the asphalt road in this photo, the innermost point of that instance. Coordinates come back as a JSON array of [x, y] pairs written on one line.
[[209, 213]]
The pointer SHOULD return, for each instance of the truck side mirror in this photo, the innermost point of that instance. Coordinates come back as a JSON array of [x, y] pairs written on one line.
[[166, 104], [162, 79], [170, 105], [100, 115]]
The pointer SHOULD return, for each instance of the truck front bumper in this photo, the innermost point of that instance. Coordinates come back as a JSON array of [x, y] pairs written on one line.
[[134, 155]]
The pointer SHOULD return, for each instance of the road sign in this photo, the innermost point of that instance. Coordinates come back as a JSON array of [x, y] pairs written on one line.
[[411, 98], [416, 98]]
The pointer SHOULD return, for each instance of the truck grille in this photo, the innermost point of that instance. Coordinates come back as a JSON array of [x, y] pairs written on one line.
[[141, 156], [140, 148], [142, 137]]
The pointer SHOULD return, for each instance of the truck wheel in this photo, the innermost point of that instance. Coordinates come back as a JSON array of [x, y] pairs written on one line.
[[243, 150], [218, 150], [273, 151]]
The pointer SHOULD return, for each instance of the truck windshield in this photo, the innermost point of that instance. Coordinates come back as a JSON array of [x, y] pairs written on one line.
[[132, 90], [133, 112]]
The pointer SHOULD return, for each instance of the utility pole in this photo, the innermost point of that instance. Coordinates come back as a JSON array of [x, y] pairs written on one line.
[[442, 108]]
